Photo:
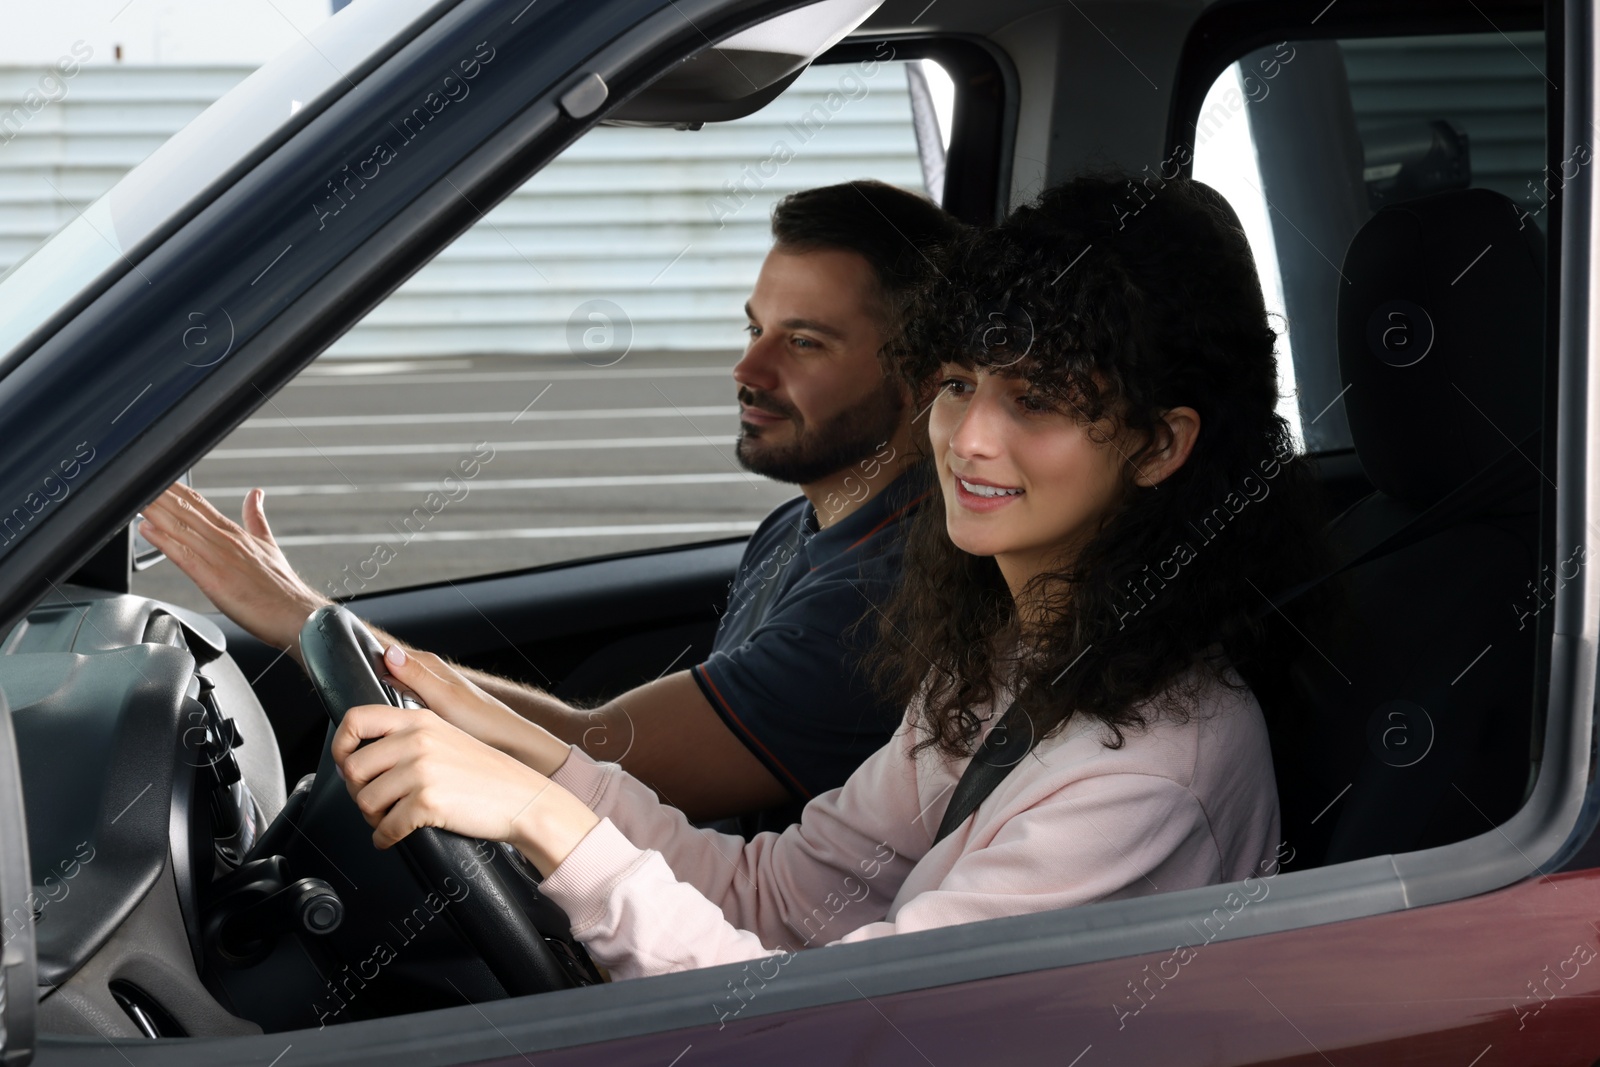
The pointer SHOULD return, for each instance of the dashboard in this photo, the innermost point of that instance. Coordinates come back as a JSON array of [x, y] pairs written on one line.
[[179, 889], [149, 768]]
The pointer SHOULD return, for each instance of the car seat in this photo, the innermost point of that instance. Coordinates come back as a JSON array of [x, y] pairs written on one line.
[[1401, 699]]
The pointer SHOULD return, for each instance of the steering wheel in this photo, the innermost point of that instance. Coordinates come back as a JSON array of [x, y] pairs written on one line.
[[341, 656]]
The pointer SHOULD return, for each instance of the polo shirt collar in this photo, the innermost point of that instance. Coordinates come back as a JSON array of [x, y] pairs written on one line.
[[896, 501]]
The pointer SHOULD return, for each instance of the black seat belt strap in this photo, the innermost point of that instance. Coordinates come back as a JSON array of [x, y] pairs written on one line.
[[1001, 750]]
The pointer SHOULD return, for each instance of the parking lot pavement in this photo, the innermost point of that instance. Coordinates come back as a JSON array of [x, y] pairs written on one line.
[[461, 467]]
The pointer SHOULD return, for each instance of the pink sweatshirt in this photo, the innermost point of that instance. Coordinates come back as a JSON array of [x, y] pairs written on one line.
[[1179, 805]]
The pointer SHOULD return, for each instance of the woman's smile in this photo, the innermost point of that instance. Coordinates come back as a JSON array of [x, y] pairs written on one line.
[[977, 494]]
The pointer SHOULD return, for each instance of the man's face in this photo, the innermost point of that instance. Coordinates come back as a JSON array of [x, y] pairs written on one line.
[[813, 398]]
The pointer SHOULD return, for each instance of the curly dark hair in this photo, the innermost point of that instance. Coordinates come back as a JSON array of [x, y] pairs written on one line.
[[1121, 300]]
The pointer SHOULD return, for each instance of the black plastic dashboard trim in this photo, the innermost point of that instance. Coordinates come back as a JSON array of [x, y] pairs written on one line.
[[109, 721]]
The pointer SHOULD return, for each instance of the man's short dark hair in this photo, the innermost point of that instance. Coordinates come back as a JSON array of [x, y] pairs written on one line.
[[893, 229]]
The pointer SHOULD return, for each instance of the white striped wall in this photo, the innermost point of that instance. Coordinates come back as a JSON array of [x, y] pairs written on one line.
[[643, 218]]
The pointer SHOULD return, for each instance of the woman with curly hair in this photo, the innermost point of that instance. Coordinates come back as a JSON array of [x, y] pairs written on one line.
[[1120, 498]]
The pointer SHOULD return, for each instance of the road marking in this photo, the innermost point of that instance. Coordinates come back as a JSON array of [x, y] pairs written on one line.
[[599, 481], [456, 448], [654, 529], [368, 367], [319, 377], [445, 417], [535, 400]]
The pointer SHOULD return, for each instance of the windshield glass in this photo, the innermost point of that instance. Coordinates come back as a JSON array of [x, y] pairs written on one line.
[[49, 275], [105, 239]]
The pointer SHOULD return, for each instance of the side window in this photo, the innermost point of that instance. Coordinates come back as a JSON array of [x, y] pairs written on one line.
[[556, 384], [1225, 159], [1444, 377], [1308, 138]]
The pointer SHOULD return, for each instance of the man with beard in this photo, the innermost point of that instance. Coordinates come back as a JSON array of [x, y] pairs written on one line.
[[779, 711]]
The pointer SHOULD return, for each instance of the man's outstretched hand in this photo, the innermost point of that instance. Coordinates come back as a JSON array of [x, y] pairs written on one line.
[[240, 569]]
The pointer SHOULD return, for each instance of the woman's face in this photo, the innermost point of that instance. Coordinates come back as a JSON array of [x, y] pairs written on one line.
[[1023, 480]]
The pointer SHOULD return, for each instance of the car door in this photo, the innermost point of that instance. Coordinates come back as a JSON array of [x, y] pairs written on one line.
[[1472, 949]]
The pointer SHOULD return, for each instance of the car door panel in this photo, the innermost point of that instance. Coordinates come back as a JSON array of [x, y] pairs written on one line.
[[1439, 985]]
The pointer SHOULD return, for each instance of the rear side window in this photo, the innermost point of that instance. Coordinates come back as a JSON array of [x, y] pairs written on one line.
[[1406, 709], [1308, 138]]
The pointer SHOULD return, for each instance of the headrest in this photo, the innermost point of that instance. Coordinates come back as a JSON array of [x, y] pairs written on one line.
[[1441, 339]]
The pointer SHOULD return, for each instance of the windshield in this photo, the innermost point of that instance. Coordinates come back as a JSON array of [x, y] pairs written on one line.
[[108, 237]]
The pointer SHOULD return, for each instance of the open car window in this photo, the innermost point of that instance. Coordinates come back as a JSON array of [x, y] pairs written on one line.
[[557, 383]]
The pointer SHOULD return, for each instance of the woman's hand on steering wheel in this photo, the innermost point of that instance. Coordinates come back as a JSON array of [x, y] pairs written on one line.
[[421, 770], [420, 779]]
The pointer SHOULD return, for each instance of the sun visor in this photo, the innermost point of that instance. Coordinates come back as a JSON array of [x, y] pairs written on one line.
[[742, 74]]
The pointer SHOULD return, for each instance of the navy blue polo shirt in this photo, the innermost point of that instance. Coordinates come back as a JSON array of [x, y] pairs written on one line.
[[784, 672]]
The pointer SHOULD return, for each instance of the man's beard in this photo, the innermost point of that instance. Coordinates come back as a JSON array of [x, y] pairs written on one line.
[[817, 452]]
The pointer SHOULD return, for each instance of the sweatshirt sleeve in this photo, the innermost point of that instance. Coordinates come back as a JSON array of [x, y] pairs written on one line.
[[1097, 838], [707, 898], [635, 918], [698, 897]]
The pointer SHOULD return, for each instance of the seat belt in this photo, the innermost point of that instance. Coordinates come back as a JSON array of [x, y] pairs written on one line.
[[990, 764], [1489, 486]]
